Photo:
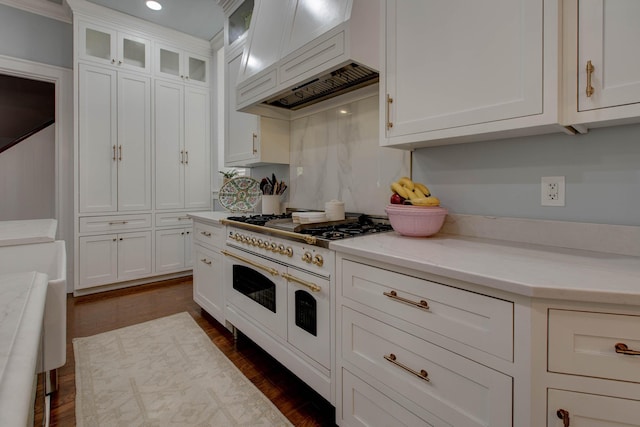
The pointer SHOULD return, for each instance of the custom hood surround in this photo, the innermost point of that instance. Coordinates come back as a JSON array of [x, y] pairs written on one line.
[[301, 52]]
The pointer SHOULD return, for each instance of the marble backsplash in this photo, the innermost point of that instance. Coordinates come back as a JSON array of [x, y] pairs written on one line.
[[335, 154]]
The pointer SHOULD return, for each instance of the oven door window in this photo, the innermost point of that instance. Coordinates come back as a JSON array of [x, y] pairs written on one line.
[[305, 312], [254, 285]]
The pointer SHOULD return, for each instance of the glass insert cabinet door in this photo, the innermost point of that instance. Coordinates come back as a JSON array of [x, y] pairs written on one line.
[[238, 21], [181, 65], [109, 46]]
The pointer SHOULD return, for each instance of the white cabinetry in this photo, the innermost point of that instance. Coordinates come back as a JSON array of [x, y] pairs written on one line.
[[456, 71], [182, 146], [250, 140], [208, 282], [113, 257], [114, 122], [387, 323], [173, 249], [173, 242], [605, 75], [596, 349], [172, 62], [109, 46], [141, 147]]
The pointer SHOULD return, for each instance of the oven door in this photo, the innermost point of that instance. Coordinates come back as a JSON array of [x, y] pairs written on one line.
[[255, 287], [309, 309]]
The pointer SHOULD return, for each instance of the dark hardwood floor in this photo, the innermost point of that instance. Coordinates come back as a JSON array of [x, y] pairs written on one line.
[[93, 314]]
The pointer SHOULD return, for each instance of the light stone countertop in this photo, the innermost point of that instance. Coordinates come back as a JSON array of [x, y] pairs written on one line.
[[22, 300], [210, 217], [522, 268], [21, 232]]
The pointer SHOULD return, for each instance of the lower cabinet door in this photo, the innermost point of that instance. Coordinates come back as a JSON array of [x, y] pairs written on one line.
[[98, 260], [364, 406], [170, 250], [208, 284], [589, 410], [134, 255]]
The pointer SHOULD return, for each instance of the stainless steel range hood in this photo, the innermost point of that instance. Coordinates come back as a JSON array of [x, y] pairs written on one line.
[[302, 52]]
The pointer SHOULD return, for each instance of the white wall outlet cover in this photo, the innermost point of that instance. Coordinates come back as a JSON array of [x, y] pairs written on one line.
[[552, 191]]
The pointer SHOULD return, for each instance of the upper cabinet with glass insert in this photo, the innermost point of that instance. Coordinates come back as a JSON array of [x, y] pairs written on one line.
[[114, 47], [238, 22], [177, 64]]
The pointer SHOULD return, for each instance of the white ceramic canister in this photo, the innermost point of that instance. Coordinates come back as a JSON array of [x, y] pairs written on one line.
[[334, 210], [271, 204]]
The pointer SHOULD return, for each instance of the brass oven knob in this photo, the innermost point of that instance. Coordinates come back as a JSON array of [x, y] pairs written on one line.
[[306, 257], [254, 241], [260, 243], [281, 249], [274, 247], [289, 251], [317, 260]]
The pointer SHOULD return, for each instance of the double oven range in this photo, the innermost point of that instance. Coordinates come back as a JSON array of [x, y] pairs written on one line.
[[279, 290]]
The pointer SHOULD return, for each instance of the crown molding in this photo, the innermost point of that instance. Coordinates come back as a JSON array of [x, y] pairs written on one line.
[[60, 12]]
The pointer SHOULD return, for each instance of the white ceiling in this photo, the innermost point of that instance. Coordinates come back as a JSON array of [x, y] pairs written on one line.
[[200, 18]]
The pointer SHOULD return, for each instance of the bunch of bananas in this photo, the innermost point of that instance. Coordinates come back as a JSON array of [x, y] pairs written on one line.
[[414, 192]]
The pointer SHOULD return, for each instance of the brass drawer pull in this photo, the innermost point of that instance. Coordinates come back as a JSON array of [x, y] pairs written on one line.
[[180, 218], [117, 222], [564, 416], [389, 102], [394, 295], [206, 261], [269, 270], [623, 349], [205, 233], [590, 69], [423, 375], [312, 286]]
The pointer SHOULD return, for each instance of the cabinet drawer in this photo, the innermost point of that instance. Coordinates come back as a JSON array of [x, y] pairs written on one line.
[[458, 390], [479, 321], [590, 410], [365, 406], [312, 58], [94, 224], [583, 343], [209, 235], [178, 219]]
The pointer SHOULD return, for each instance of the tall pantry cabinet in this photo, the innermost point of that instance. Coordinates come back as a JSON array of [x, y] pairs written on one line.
[[142, 148]]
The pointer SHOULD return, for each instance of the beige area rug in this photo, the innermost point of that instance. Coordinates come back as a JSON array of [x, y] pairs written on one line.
[[165, 372]]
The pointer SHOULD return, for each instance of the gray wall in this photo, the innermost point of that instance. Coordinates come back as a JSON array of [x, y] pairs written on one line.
[[35, 38], [502, 178]]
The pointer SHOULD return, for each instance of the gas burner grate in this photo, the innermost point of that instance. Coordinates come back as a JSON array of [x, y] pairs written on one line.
[[258, 219]]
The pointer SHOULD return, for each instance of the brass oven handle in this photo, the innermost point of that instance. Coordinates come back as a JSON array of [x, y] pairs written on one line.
[[622, 348], [389, 102], [269, 270], [298, 236], [312, 286], [206, 261], [590, 69], [394, 295], [564, 416], [423, 375]]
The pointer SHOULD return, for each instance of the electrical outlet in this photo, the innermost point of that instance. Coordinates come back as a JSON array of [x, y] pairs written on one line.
[[552, 191]]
